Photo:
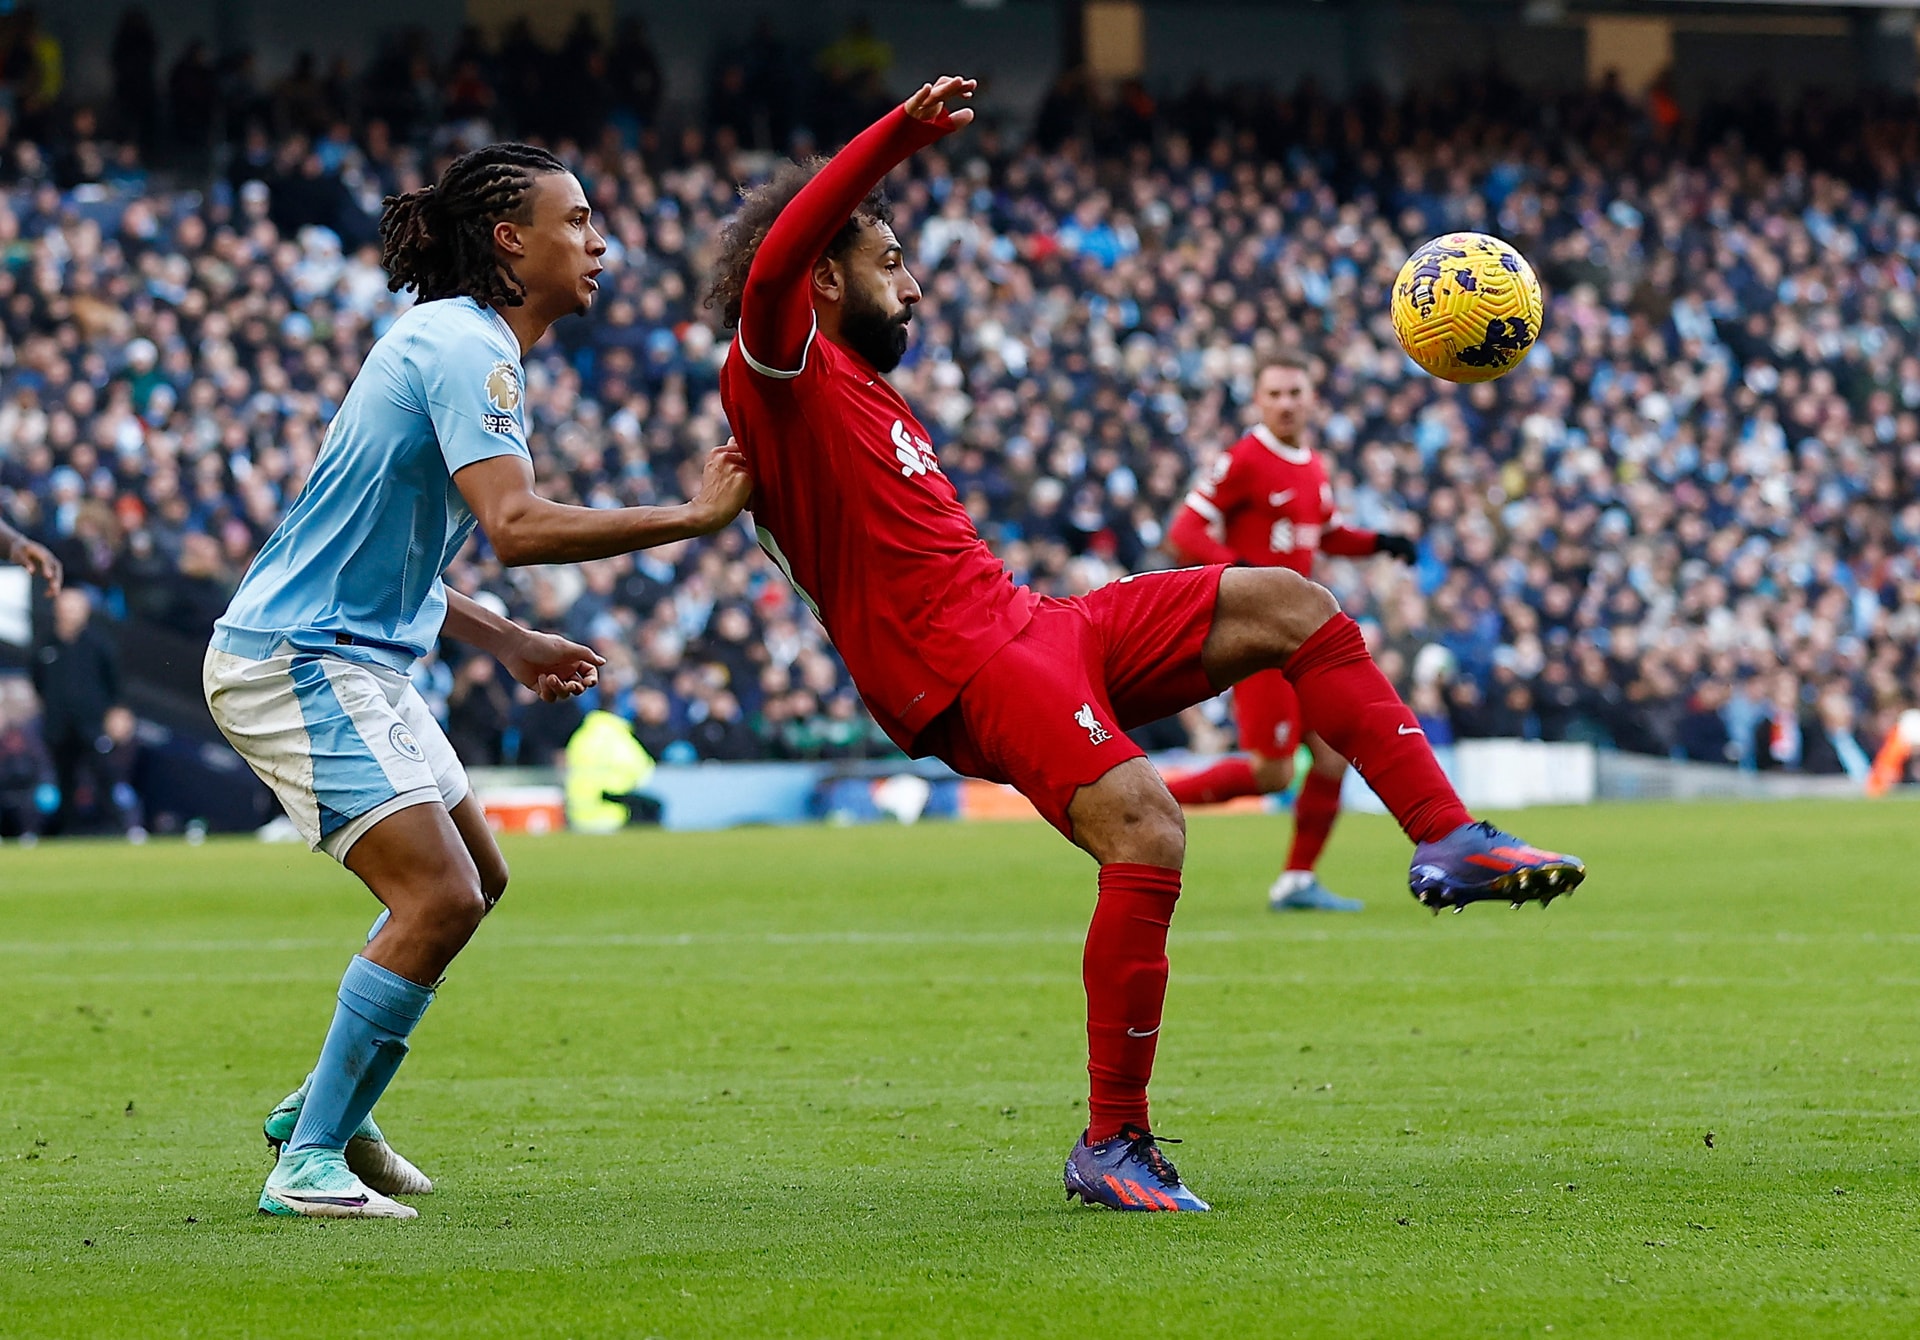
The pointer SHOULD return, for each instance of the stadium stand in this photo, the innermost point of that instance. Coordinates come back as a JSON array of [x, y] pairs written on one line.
[[1686, 527]]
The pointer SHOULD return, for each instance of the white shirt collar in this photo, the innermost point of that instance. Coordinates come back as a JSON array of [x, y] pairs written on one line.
[[1291, 455]]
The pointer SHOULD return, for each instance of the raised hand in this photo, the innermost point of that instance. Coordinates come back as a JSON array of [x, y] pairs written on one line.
[[929, 102]]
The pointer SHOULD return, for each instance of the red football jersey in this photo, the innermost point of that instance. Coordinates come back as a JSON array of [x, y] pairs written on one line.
[[849, 500], [848, 496], [1273, 506]]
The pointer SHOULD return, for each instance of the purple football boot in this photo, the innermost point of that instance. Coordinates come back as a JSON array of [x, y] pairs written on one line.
[[1479, 863], [1128, 1172]]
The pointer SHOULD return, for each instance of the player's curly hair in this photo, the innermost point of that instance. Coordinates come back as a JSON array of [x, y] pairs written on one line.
[[438, 240], [740, 237]]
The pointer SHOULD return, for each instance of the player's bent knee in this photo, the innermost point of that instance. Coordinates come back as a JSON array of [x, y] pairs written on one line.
[[1268, 595], [455, 903], [1272, 774], [466, 906], [1149, 833], [445, 903], [457, 917], [1302, 603], [1128, 815], [1263, 617], [1160, 841]]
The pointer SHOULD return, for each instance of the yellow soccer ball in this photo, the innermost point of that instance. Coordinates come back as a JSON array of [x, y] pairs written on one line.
[[1466, 307]]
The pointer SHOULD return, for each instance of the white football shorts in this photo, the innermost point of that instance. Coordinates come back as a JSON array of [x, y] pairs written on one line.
[[342, 743]]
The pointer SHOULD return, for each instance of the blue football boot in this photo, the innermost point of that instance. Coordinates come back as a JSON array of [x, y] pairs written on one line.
[[1128, 1171], [1299, 892], [1478, 863]]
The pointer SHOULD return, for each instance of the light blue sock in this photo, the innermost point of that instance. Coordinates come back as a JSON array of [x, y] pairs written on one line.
[[366, 1044], [379, 923]]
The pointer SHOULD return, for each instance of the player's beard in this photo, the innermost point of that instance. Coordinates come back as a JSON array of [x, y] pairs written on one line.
[[871, 331]]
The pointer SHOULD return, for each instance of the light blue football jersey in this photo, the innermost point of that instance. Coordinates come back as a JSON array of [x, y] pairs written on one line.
[[354, 566]]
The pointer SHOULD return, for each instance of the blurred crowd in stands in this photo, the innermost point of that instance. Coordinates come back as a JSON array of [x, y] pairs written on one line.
[[1686, 526]]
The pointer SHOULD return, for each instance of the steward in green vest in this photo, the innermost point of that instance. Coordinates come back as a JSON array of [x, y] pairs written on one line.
[[604, 761]]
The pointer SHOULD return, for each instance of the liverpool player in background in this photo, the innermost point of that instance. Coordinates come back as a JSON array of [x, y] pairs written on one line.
[[956, 661], [1268, 504]]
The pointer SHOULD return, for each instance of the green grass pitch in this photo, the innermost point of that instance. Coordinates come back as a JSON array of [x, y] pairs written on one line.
[[821, 1082]]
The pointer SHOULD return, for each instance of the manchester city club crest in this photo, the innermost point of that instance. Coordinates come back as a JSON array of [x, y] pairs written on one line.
[[403, 742]]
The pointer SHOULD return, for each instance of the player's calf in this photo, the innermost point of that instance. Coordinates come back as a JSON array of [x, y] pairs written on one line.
[[1131, 824]]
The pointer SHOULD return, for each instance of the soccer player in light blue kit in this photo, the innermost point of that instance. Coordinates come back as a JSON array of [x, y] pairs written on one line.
[[307, 671]]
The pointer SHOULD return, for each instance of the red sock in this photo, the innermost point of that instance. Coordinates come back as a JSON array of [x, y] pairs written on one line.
[[1313, 816], [1125, 971], [1350, 703], [1226, 779]]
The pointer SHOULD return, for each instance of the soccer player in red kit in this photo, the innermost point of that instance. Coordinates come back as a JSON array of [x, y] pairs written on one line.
[[1268, 503], [955, 660]]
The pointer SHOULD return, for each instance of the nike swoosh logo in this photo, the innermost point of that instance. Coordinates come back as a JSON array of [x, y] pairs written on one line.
[[1136, 1033], [1275, 499], [346, 1202], [1411, 730]]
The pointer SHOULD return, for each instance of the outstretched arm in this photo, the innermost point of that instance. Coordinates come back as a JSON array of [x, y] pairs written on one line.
[[1348, 541], [525, 528], [776, 307], [1353, 542]]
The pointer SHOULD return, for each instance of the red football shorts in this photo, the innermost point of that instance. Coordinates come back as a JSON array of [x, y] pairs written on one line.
[[1268, 711], [1048, 711]]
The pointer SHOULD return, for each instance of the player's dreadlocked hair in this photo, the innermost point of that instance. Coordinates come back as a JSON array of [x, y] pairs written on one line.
[[438, 240], [741, 236]]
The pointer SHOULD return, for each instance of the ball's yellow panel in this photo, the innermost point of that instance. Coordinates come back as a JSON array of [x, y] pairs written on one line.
[[1466, 307]]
